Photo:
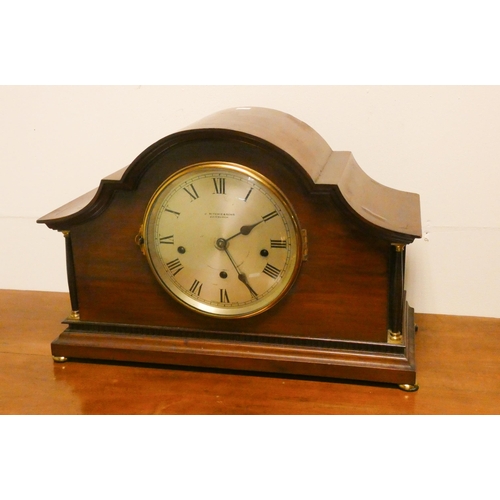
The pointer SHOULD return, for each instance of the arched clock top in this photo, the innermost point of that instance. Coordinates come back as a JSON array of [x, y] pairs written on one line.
[[391, 214]]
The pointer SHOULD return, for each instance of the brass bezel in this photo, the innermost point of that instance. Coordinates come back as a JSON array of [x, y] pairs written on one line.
[[200, 307]]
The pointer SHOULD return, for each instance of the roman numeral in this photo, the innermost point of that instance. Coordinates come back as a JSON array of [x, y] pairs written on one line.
[[224, 297], [220, 185], [271, 271], [172, 212], [191, 191], [196, 287], [167, 240], [270, 216], [278, 243], [174, 265]]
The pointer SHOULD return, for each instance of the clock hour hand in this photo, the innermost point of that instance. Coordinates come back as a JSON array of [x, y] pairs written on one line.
[[245, 230]]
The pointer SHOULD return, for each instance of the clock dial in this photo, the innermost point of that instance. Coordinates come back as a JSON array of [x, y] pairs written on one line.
[[222, 239]]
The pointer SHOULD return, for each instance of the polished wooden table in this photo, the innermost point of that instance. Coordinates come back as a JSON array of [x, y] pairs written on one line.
[[458, 368]]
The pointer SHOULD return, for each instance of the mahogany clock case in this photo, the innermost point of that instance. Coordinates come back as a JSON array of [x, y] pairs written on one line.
[[336, 321]]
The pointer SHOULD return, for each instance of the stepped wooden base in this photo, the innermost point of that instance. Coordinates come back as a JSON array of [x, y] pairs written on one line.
[[374, 362]]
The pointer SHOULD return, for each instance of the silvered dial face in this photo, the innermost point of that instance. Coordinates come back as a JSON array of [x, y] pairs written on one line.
[[222, 239]]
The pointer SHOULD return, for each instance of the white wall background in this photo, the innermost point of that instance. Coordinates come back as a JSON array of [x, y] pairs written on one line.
[[57, 142]]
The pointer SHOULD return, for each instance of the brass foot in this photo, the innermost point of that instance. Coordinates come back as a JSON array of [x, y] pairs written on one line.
[[74, 315], [59, 359], [409, 387]]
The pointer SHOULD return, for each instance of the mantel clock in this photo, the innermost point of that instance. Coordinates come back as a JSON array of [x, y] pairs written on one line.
[[242, 242]]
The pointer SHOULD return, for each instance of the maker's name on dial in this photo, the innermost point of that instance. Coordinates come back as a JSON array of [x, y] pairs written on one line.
[[220, 215]]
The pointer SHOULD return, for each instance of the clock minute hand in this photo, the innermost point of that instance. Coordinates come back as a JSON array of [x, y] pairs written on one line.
[[245, 230], [241, 276]]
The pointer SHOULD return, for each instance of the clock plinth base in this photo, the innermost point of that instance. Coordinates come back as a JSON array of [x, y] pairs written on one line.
[[357, 361]]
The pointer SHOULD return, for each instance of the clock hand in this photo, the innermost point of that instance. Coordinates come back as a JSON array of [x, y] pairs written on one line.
[[222, 245], [243, 278], [245, 230]]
